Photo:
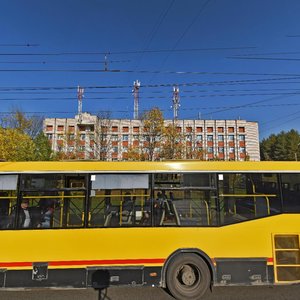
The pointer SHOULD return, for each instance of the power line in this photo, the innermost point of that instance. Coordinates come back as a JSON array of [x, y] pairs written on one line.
[[62, 62], [182, 84], [264, 58], [202, 8], [144, 71], [130, 51], [155, 29], [152, 97], [19, 45]]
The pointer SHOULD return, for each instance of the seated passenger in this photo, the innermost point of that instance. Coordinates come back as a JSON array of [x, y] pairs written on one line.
[[47, 210], [25, 218]]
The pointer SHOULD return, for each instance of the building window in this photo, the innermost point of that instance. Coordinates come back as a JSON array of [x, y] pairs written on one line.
[[114, 128], [125, 137], [188, 129], [82, 137], [210, 149], [210, 138], [136, 129], [49, 127], [60, 137], [221, 149], [114, 137], [199, 129], [92, 137], [71, 148], [221, 138], [242, 150], [60, 127], [125, 149], [242, 137], [82, 148], [71, 128], [199, 137], [115, 149], [230, 129], [189, 137], [49, 136], [71, 136], [231, 149], [210, 129], [135, 137], [241, 129], [231, 137], [220, 129], [125, 129]]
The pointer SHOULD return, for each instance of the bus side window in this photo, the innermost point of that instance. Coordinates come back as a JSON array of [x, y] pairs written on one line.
[[291, 192], [8, 199]]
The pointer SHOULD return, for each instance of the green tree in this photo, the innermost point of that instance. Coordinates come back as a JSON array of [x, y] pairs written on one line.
[[15, 145], [153, 122], [18, 120], [284, 146], [42, 148], [172, 144]]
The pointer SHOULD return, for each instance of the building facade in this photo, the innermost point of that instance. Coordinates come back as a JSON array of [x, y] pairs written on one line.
[[91, 137]]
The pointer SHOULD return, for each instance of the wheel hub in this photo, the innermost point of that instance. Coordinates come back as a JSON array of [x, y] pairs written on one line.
[[188, 276]]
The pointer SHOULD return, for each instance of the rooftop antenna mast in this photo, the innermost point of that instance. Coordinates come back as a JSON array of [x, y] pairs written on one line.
[[106, 61], [136, 88], [80, 92], [176, 104]]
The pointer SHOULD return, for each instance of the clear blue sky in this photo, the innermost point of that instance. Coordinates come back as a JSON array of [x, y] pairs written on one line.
[[230, 58]]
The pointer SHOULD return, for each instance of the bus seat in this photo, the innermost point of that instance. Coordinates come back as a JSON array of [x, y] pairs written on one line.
[[107, 220], [126, 217], [176, 214]]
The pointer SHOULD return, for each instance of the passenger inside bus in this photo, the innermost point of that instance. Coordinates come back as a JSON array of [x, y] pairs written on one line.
[[127, 210], [25, 215], [46, 213]]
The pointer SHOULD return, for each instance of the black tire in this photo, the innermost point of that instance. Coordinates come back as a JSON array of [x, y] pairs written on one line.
[[188, 277]]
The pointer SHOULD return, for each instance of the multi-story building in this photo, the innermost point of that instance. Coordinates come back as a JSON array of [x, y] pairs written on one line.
[[91, 137]]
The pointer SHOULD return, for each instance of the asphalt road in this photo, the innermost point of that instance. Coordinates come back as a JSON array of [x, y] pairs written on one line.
[[138, 293]]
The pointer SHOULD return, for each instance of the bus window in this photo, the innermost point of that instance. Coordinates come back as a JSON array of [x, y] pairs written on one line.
[[8, 198], [291, 192], [55, 200], [248, 196], [185, 200], [119, 200]]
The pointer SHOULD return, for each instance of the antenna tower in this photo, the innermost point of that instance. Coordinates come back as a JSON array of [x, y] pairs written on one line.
[[80, 92], [136, 88], [176, 104]]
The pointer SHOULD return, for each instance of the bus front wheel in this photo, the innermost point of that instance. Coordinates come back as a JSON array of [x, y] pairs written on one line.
[[188, 277]]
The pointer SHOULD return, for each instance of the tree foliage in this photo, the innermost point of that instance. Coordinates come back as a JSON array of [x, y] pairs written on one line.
[[172, 145], [18, 120], [15, 145], [153, 122], [284, 146], [22, 139], [42, 148]]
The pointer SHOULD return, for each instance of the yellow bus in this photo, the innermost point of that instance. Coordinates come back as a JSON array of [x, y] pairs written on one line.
[[182, 225]]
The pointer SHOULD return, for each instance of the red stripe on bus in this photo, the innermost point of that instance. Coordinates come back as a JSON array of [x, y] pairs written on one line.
[[88, 262], [270, 260]]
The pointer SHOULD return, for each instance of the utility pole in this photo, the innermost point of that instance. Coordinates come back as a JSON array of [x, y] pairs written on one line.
[[136, 88], [176, 104], [80, 92]]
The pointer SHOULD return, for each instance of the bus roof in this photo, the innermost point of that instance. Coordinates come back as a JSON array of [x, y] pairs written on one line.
[[142, 166]]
